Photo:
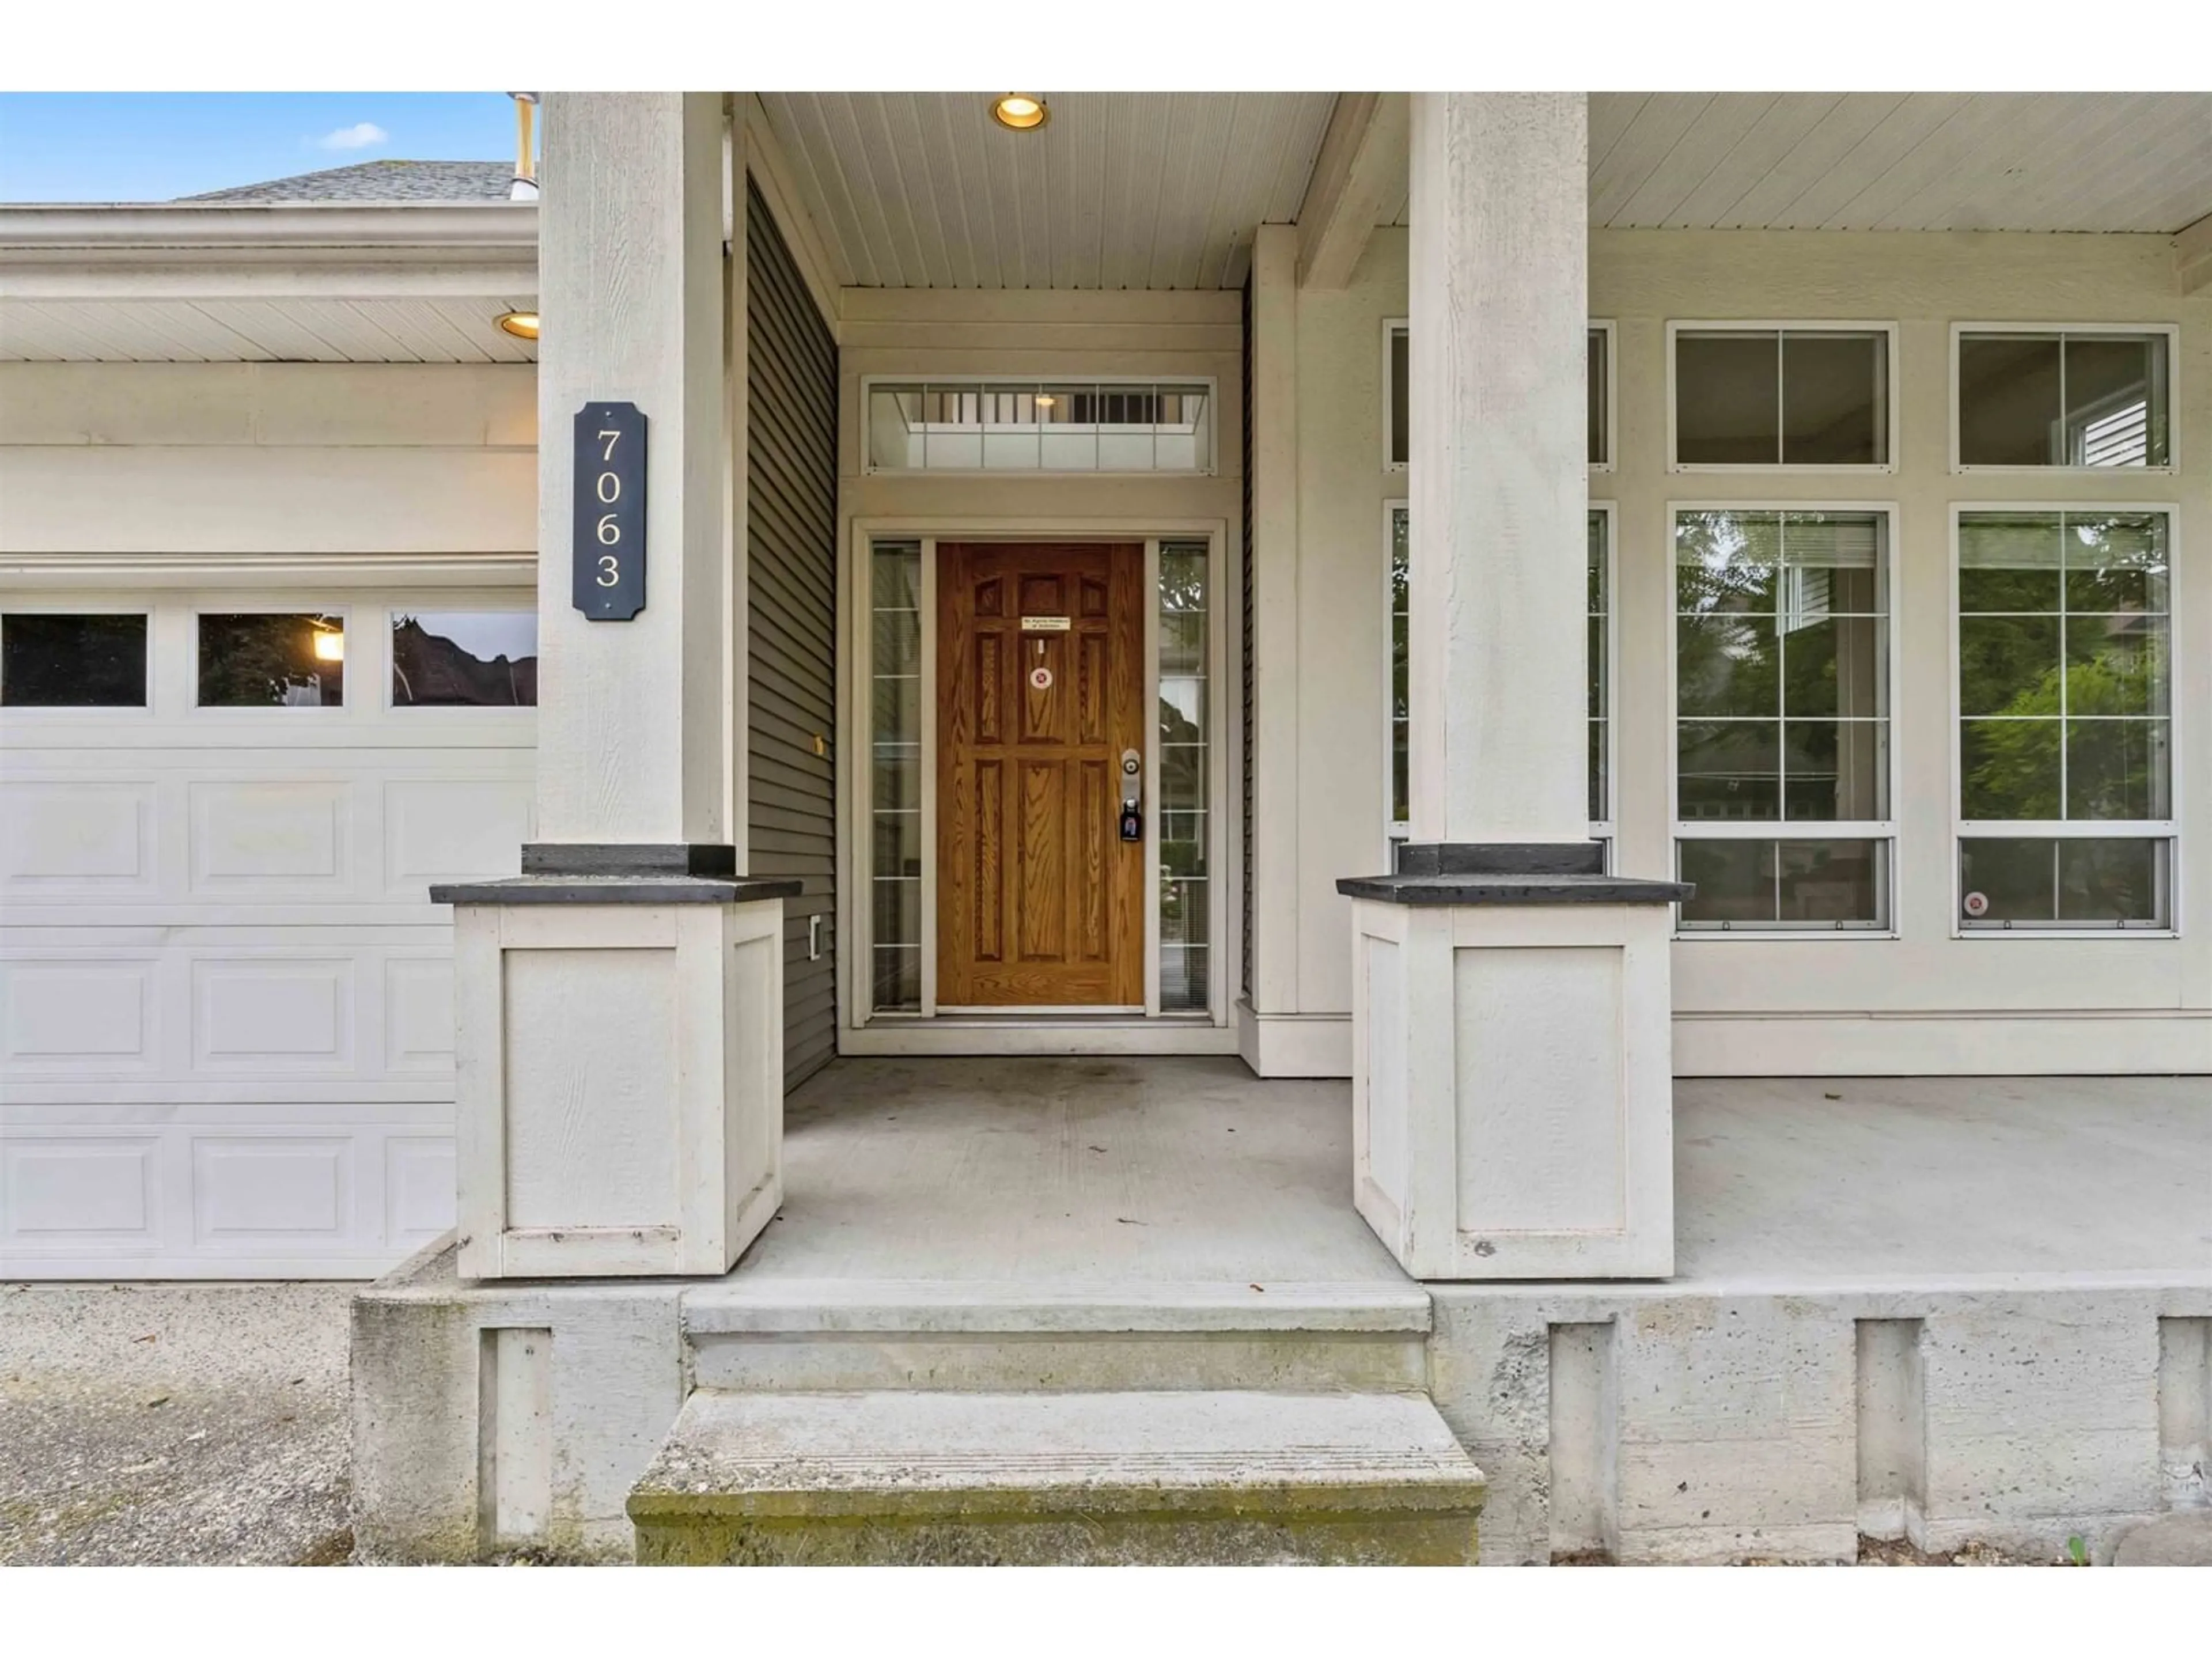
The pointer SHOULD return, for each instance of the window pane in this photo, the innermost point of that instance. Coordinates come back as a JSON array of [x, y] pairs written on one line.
[[1734, 880], [2009, 771], [2007, 666], [1726, 400], [250, 660], [1726, 561], [898, 977], [2115, 400], [2113, 881], [1025, 426], [1401, 398], [1184, 803], [1599, 392], [1826, 883], [2009, 561], [2036, 881], [463, 657], [2116, 666], [2008, 407], [2116, 769], [49, 660], [1835, 666], [2115, 562], [1726, 667], [1728, 769], [1835, 401], [1836, 771]]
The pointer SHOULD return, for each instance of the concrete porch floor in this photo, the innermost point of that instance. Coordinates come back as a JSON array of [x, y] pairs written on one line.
[[1093, 1170]]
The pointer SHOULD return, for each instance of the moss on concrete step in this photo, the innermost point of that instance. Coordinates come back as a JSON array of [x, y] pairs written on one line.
[[913, 1477]]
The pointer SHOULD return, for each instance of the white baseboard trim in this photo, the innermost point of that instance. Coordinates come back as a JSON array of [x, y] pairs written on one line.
[[954, 1036], [1942, 1045], [1294, 1045]]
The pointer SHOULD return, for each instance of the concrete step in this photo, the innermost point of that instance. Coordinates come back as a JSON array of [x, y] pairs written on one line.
[[916, 1476], [801, 1335]]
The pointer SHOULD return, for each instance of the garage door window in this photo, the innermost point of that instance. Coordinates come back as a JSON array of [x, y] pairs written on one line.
[[463, 658], [53, 660], [265, 659]]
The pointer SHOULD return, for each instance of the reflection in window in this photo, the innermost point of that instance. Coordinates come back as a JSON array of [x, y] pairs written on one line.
[[1597, 386], [254, 660], [1782, 716], [895, 774], [1786, 398], [2058, 399], [463, 658], [1185, 800], [1032, 426], [2064, 697], [53, 660]]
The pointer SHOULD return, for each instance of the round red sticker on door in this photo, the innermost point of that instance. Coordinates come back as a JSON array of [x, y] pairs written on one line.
[[1041, 678]]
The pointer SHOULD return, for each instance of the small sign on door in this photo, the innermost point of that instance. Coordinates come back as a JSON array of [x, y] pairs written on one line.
[[1046, 624]]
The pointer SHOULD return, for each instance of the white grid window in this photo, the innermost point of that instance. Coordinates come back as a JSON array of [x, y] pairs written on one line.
[[2064, 697], [1040, 426], [895, 780], [1397, 373], [1782, 700], [1800, 395], [1598, 545], [1184, 765], [2096, 398]]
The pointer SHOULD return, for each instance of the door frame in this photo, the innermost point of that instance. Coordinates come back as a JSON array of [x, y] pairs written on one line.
[[861, 1030]]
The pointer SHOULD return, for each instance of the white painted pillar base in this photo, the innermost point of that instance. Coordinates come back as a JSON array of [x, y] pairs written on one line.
[[620, 1079], [1512, 1081], [1511, 1101]]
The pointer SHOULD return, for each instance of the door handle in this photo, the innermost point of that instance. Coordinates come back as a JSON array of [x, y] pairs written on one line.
[[1132, 795]]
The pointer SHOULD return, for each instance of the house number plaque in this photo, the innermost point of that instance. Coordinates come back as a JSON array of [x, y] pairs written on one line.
[[608, 539]]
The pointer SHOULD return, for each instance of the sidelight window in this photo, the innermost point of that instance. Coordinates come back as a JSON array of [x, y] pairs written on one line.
[[895, 781], [2064, 687], [1782, 698], [1185, 787]]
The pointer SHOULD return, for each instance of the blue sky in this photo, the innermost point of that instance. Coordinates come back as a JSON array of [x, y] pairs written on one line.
[[151, 147]]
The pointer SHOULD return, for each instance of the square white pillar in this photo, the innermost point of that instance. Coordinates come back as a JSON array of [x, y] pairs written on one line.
[[1511, 1070], [619, 1005]]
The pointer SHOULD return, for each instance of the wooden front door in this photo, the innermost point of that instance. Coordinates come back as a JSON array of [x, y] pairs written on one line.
[[1041, 677]]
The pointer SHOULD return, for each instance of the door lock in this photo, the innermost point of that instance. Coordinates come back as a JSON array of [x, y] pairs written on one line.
[[1132, 795]]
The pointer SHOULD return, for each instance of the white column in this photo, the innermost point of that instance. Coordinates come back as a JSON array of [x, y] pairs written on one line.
[[619, 1005], [634, 738], [1499, 316], [1512, 1103]]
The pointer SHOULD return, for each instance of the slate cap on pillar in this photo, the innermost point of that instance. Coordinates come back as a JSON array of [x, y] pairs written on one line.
[[1515, 873]]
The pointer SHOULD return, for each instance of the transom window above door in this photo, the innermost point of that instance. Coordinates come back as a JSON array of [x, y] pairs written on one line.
[[1758, 395], [1039, 425]]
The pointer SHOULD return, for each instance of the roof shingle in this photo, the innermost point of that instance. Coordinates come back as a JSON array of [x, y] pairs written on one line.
[[380, 181]]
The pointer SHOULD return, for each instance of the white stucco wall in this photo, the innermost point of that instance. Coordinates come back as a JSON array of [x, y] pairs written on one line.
[[184, 458], [1924, 1002]]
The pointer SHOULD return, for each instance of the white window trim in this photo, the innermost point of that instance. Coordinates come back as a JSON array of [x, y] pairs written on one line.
[[1963, 829], [1603, 828], [863, 1028], [366, 653], [1677, 327], [1612, 462], [1393, 830], [507, 711], [1210, 469], [2173, 405], [1393, 326], [1786, 828], [62, 605], [1600, 828]]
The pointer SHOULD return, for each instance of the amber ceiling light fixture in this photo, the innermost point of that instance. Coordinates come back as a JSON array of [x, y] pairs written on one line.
[[523, 325], [1022, 111]]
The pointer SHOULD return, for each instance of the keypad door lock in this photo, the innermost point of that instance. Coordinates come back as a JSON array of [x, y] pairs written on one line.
[[1132, 795]]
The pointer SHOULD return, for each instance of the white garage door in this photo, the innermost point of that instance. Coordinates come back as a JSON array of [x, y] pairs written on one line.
[[226, 1001]]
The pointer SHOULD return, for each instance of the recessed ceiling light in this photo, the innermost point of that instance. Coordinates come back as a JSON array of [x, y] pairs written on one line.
[[1046, 400], [1020, 110], [523, 325]]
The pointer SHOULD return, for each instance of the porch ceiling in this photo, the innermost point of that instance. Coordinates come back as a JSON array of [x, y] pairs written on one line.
[[1163, 190]]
